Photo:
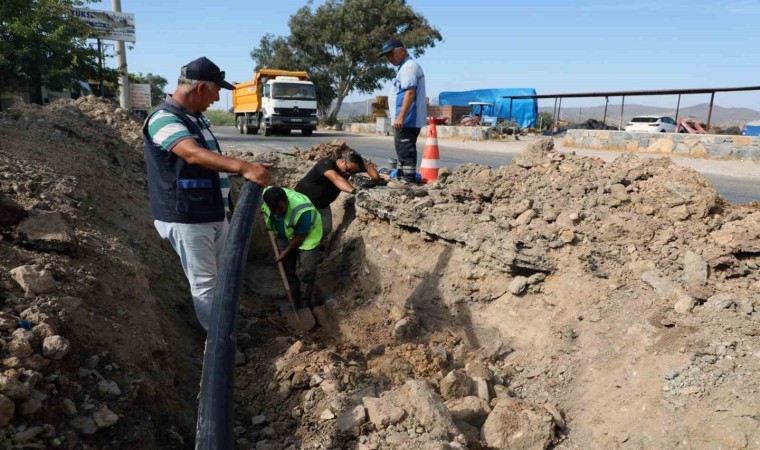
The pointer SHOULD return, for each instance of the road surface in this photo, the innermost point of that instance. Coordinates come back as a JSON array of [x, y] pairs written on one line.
[[736, 181]]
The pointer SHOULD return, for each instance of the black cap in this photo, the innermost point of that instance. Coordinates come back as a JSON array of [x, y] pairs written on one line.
[[202, 69], [389, 45]]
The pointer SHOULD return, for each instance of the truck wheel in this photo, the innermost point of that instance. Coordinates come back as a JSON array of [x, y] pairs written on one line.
[[245, 128], [239, 124], [264, 130], [307, 132]]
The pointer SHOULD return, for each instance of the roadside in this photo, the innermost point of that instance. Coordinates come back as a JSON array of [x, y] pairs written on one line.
[[730, 168]]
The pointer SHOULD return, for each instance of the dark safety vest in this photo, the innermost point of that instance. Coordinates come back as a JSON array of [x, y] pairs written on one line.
[[180, 192], [297, 205]]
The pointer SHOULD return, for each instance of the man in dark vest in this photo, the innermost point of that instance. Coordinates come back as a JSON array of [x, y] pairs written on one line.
[[187, 179]]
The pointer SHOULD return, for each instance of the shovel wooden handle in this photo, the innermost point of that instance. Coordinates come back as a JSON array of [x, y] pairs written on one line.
[[282, 274]]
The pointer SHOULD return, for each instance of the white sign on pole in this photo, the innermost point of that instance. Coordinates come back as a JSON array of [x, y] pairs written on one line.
[[110, 25], [140, 94]]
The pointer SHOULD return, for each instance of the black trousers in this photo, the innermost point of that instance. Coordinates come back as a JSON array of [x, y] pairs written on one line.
[[405, 141]]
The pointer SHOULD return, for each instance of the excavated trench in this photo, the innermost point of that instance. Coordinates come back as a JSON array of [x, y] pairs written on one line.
[[559, 302]]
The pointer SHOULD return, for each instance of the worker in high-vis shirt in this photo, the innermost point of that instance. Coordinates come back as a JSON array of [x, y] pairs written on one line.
[[298, 227]]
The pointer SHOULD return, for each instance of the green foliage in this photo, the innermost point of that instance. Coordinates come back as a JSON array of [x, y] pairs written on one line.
[[42, 45], [157, 85], [220, 118], [338, 44], [544, 120]]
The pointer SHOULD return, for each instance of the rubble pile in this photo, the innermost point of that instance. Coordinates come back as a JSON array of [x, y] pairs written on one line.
[[332, 149], [82, 336]]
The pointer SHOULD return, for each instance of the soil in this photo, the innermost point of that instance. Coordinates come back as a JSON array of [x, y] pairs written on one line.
[[559, 302]]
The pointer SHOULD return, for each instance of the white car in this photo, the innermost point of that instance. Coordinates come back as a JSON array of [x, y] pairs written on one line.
[[651, 124]]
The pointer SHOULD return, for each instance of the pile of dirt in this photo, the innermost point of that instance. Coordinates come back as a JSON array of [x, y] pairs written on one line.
[[88, 295], [332, 150]]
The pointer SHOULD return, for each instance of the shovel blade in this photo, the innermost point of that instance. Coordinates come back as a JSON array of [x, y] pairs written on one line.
[[306, 319]]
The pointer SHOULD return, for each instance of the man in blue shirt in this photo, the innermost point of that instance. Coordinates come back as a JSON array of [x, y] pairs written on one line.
[[408, 107]]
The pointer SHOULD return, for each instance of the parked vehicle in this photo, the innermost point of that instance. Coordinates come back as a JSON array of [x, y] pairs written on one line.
[[275, 101], [651, 124]]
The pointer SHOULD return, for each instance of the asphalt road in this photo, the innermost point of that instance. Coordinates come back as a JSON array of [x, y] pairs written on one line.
[[736, 189]]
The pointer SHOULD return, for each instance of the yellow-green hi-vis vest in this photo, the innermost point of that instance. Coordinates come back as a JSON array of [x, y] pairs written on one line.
[[297, 205]]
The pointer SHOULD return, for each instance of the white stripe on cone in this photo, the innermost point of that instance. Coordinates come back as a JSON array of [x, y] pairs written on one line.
[[429, 164], [431, 141]]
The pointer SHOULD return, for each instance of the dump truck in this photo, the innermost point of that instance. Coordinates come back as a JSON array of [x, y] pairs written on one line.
[[275, 101]]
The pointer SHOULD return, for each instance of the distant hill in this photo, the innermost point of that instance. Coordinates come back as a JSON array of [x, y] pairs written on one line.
[[721, 116]]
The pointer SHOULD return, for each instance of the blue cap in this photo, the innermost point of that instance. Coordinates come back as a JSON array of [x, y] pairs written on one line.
[[389, 45], [202, 69]]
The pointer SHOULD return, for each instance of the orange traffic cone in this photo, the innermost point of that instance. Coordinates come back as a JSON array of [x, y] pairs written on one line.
[[429, 166]]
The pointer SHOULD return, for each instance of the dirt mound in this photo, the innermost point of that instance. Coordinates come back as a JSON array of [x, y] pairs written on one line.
[[88, 293], [332, 149]]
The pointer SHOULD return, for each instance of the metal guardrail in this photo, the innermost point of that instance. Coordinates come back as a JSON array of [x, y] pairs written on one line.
[[215, 417], [623, 94]]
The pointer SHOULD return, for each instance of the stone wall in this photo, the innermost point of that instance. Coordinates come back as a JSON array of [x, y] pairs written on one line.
[[474, 133], [697, 145]]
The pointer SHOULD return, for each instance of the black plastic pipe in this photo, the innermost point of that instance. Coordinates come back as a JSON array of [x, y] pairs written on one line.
[[215, 416]]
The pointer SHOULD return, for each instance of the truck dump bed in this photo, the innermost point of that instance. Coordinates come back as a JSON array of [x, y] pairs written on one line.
[[247, 96]]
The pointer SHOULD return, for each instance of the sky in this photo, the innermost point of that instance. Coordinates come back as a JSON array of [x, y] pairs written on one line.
[[554, 46]]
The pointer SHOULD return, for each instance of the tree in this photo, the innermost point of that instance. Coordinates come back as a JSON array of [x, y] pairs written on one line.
[[42, 45], [338, 44], [544, 120], [157, 85]]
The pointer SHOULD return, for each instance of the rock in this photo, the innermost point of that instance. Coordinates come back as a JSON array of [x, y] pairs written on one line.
[[518, 285], [55, 347], [524, 218], [69, 407], [7, 410], [109, 388], [30, 407], [11, 213], [521, 207], [418, 399], [456, 384], [661, 284], [684, 302], [327, 415], [382, 413], [12, 388], [719, 302], [557, 416], [352, 419], [679, 213], [27, 435], [22, 333], [471, 433], [105, 418], [47, 232], [694, 268], [568, 219], [403, 329], [536, 278], [20, 348], [471, 409], [514, 425], [32, 280], [619, 192], [84, 425], [331, 386], [261, 419]]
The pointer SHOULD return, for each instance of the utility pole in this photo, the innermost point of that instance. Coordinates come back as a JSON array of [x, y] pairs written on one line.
[[121, 64]]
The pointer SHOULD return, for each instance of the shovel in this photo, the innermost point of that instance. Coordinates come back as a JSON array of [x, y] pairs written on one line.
[[299, 319]]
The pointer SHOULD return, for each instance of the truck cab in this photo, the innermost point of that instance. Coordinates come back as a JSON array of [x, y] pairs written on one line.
[[290, 104], [276, 101]]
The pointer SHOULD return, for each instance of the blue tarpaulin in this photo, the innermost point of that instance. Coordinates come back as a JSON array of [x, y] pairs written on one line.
[[524, 111], [752, 129]]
